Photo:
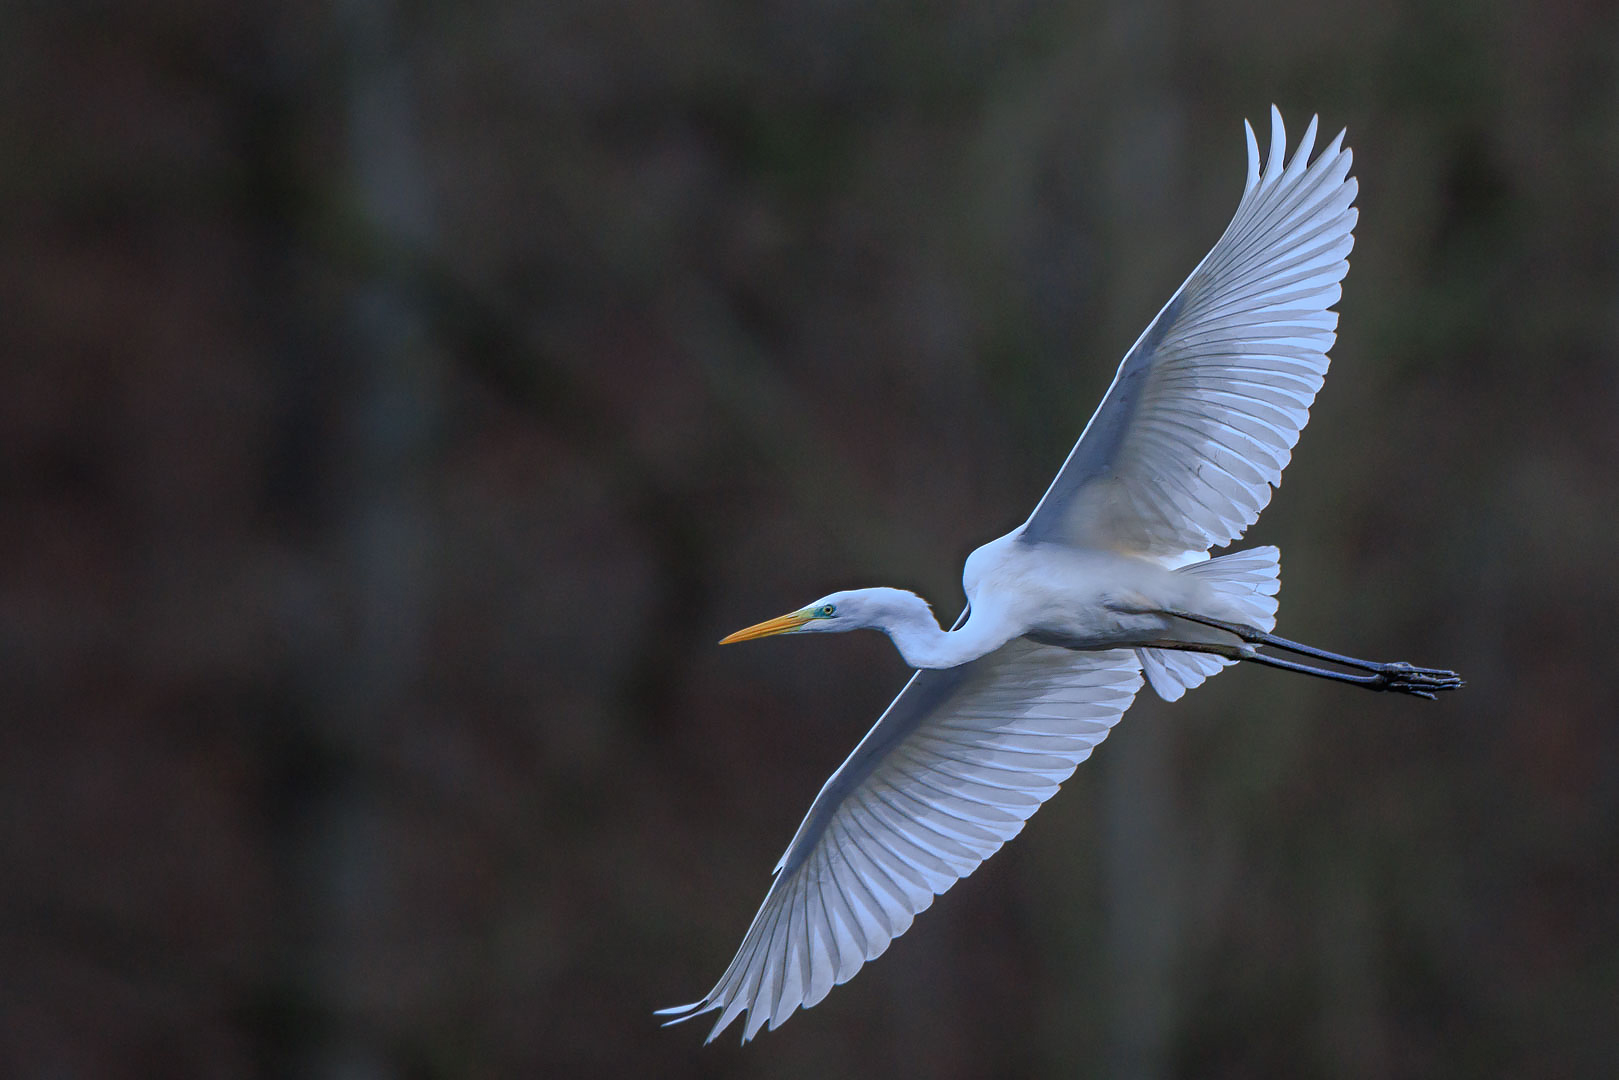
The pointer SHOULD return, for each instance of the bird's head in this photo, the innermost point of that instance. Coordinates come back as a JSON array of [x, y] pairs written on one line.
[[852, 609]]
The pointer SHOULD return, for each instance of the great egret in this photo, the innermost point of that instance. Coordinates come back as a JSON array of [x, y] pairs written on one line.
[[1109, 579]]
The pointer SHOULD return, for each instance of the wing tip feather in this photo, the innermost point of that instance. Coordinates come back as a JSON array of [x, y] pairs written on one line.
[[1253, 158], [1301, 156], [1278, 145]]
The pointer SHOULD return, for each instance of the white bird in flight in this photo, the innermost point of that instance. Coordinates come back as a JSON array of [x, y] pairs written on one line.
[[1108, 581]]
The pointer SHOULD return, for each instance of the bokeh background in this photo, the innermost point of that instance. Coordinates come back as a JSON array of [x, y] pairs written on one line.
[[398, 400]]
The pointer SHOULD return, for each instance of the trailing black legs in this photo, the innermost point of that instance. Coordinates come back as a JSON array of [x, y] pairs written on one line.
[[1397, 676]]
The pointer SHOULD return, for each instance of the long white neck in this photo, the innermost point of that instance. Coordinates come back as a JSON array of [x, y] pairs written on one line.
[[923, 644]]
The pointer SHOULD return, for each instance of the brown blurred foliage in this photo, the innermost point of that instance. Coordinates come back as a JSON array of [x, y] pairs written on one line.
[[397, 400]]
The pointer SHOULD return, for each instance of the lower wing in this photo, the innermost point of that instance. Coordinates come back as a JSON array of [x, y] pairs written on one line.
[[948, 774]]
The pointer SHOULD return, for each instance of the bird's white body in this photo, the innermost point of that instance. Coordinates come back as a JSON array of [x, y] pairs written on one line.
[[1072, 597], [1108, 584], [1086, 598]]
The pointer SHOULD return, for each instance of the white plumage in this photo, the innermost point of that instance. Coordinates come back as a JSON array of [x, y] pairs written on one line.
[[1108, 582]]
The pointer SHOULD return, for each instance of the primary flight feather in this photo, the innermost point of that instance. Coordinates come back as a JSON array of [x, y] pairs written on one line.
[[1107, 583]]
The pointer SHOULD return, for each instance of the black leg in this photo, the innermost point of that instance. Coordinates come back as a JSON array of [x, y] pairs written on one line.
[[1396, 676]]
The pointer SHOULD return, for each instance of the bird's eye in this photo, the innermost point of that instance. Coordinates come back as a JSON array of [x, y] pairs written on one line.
[[828, 610]]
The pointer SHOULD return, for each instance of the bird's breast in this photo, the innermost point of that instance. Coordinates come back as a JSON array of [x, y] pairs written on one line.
[[1077, 598]]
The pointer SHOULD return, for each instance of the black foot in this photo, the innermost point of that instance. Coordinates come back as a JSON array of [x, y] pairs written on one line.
[[1402, 678]]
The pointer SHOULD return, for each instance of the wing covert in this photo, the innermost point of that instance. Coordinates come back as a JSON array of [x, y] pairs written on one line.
[[950, 772], [1193, 433]]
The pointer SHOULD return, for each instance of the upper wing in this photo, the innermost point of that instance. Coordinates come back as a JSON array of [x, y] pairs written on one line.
[[1184, 450], [948, 774]]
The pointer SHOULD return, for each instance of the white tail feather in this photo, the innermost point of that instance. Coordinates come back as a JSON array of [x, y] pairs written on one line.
[[1248, 581]]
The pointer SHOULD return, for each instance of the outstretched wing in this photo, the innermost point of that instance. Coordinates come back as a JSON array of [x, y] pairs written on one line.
[[948, 774], [1204, 412]]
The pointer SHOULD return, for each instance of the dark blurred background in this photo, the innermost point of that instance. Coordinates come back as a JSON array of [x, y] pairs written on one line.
[[398, 400]]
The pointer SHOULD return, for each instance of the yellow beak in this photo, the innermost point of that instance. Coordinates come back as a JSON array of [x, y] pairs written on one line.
[[769, 626]]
